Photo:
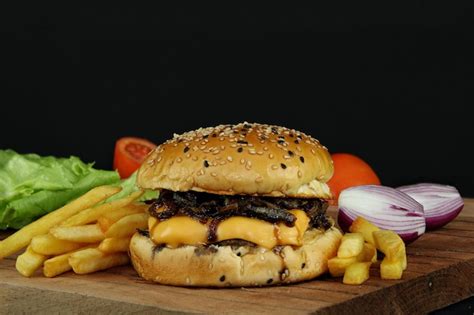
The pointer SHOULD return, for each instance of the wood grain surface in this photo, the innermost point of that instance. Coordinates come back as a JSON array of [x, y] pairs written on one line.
[[440, 272]]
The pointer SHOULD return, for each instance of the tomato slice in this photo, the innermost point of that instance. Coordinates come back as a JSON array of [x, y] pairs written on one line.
[[130, 153]]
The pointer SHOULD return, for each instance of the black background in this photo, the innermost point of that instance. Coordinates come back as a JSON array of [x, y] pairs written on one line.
[[392, 84]]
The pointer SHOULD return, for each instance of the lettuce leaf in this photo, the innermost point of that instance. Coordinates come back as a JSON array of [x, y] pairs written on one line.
[[129, 186], [31, 185]]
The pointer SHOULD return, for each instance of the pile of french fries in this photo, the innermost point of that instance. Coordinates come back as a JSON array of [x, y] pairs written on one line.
[[358, 251], [85, 236]]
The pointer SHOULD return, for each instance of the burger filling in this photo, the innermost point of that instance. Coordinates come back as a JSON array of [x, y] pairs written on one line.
[[194, 218]]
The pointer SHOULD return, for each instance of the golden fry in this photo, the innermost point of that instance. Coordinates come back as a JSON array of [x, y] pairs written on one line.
[[352, 245], [131, 208], [60, 264], [91, 233], [92, 260], [47, 244], [22, 238], [128, 225], [337, 266], [357, 273], [361, 225], [391, 244], [110, 218], [392, 270], [369, 253], [92, 214], [114, 245], [28, 262]]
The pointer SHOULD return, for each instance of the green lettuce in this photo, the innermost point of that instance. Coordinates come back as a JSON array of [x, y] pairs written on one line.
[[31, 185], [129, 186]]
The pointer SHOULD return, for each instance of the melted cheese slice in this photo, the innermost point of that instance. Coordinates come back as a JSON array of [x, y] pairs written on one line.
[[183, 230]]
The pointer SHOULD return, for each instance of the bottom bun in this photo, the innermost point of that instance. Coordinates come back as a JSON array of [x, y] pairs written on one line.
[[234, 266]]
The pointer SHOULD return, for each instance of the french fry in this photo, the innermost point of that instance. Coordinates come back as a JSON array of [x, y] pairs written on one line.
[[128, 225], [92, 260], [110, 218], [131, 208], [357, 273], [392, 270], [351, 245], [23, 237], [390, 243], [361, 225], [47, 244], [60, 264], [369, 253], [337, 266], [91, 233], [114, 245], [92, 214], [28, 262]]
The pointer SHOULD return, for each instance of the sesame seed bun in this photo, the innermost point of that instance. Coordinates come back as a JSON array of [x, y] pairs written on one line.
[[249, 159], [229, 266]]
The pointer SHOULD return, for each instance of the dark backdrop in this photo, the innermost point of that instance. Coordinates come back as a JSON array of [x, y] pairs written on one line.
[[391, 84]]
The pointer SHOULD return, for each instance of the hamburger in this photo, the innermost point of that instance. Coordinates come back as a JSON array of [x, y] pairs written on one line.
[[239, 205]]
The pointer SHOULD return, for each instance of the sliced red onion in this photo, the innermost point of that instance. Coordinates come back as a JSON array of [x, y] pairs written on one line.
[[442, 203], [385, 207]]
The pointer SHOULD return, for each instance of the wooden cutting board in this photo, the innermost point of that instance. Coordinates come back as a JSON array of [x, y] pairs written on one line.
[[440, 272]]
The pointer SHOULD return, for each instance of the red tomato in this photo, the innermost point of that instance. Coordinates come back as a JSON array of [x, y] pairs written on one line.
[[350, 170], [130, 153]]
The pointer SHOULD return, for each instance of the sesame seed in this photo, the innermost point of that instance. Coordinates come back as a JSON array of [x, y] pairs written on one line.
[[175, 144], [200, 172], [274, 167], [203, 143], [233, 145], [283, 166], [242, 161], [271, 156], [159, 159], [313, 151], [195, 158], [179, 160], [213, 174], [262, 141], [240, 150], [251, 151], [302, 159], [206, 163], [195, 148], [222, 162], [265, 148], [298, 149], [248, 167], [202, 147], [259, 179], [286, 157], [221, 138], [186, 149], [188, 155], [222, 147], [300, 174], [216, 152], [260, 152], [229, 158]]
